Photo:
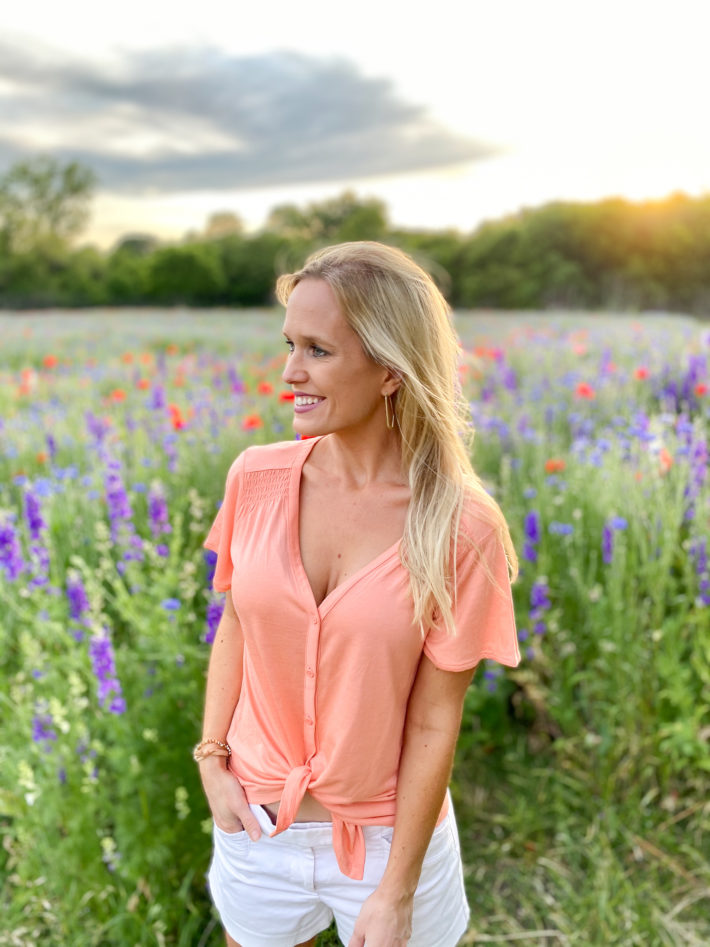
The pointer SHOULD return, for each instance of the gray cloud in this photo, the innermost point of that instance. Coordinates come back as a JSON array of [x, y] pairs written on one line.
[[199, 118]]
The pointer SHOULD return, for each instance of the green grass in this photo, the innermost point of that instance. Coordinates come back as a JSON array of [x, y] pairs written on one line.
[[582, 778]]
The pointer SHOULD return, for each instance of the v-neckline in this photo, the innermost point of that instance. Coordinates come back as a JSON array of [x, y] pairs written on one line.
[[295, 531]]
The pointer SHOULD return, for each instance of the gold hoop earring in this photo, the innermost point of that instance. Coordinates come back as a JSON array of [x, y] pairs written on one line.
[[389, 413]]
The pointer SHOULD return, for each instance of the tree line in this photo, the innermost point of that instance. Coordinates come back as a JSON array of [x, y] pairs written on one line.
[[610, 254]]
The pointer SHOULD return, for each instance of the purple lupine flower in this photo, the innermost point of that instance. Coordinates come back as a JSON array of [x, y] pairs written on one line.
[[561, 529], [698, 551], [157, 399], [76, 594], [96, 427], [215, 608], [134, 552], [33, 515], [238, 386], [539, 602], [170, 604], [11, 561], [531, 526], [162, 550], [121, 514], [51, 446], [612, 524], [42, 731], [698, 454], [39, 563], [104, 667], [158, 510], [119, 507], [210, 559], [509, 378]]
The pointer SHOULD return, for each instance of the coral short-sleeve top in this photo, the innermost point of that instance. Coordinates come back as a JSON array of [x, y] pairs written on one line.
[[325, 687]]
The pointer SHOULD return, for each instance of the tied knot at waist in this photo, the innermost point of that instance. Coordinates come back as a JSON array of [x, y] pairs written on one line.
[[348, 837]]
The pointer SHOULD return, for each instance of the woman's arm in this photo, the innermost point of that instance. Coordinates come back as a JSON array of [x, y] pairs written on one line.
[[226, 797], [430, 733]]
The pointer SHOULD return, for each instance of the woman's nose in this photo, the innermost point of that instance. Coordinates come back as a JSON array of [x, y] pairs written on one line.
[[293, 371]]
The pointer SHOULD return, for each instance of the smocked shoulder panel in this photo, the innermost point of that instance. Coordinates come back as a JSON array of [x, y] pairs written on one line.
[[261, 486]]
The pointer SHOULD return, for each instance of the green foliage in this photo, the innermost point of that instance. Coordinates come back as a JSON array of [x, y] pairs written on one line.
[[185, 274], [610, 254], [336, 220], [43, 204], [582, 777]]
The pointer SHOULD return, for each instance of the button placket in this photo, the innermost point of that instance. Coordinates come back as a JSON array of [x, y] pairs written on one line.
[[309, 684]]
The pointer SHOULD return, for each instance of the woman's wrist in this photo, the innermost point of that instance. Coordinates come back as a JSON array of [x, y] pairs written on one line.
[[398, 890], [211, 746]]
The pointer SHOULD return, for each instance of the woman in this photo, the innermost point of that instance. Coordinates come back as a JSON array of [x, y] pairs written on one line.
[[368, 572]]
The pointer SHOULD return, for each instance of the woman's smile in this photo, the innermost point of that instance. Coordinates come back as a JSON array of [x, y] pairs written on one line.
[[302, 403]]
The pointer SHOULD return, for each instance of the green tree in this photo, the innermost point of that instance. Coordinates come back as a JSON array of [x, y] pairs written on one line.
[[191, 274], [336, 220], [43, 204]]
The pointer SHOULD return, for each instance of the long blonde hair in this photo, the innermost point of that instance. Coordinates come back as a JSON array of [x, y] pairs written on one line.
[[404, 324]]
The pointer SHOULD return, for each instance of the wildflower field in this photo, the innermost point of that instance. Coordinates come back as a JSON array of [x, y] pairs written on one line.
[[582, 777]]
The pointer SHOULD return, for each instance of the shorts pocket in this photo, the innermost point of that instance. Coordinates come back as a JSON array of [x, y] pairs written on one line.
[[240, 836], [442, 844]]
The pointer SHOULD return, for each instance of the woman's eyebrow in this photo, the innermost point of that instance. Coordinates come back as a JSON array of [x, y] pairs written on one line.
[[309, 340]]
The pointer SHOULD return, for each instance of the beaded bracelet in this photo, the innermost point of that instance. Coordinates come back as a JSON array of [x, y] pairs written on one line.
[[198, 755]]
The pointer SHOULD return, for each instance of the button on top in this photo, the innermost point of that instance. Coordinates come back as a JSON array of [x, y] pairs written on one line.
[[315, 619], [309, 721], [310, 672]]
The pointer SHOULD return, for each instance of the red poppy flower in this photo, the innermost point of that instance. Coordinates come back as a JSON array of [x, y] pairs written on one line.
[[118, 394], [641, 372], [251, 422], [700, 389], [127, 357], [176, 418], [286, 396], [554, 464], [585, 390], [265, 388], [665, 460], [49, 361], [143, 383]]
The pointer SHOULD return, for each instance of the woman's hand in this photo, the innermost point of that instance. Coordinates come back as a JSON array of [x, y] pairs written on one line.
[[226, 798], [383, 922]]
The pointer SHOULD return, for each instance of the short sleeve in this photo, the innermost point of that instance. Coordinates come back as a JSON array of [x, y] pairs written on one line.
[[483, 612], [219, 538]]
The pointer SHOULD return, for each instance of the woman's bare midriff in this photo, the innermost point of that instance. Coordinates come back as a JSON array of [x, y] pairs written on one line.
[[310, 810]]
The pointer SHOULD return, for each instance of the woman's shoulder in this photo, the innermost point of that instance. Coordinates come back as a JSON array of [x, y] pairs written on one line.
[[273, 456], [481, 527]]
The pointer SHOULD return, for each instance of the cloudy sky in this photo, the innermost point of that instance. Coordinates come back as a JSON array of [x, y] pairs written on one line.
[[462, 111]]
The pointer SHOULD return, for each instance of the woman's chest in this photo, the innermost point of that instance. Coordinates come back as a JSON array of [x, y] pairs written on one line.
[[342, 533]]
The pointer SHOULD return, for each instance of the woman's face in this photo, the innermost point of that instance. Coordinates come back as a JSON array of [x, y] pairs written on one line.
[[337, 387]]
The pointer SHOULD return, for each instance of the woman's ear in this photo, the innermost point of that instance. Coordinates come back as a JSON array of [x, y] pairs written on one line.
[[392, 382]]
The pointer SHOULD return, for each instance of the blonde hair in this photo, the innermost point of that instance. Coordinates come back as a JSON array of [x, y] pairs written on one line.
[[404, 324]]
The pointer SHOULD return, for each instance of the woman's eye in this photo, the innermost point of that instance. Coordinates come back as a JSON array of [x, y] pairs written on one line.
[[318, 352], [289, 345]]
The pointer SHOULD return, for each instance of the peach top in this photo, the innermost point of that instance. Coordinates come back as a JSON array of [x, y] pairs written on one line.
[[325, 688]]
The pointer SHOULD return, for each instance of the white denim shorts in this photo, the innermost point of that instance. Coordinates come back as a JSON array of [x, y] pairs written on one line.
[[279, 892]]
